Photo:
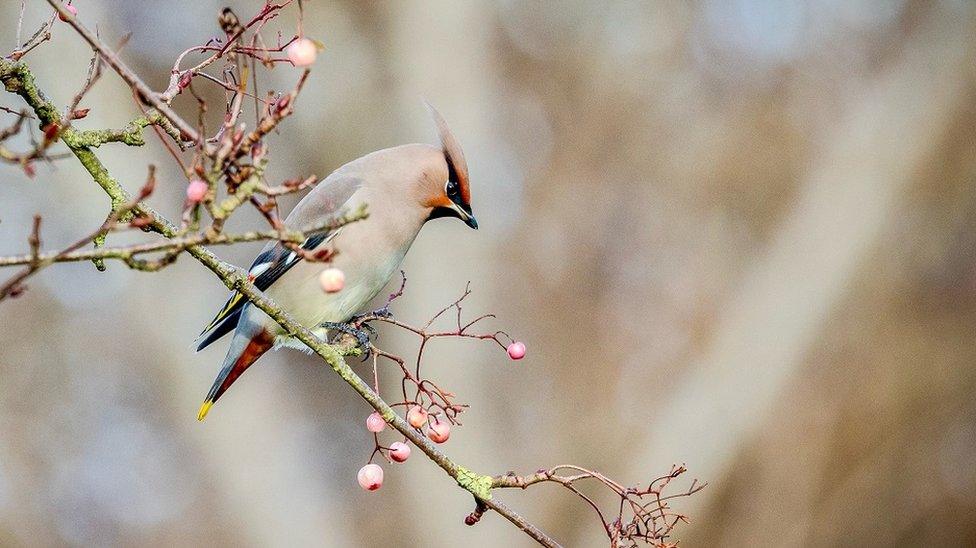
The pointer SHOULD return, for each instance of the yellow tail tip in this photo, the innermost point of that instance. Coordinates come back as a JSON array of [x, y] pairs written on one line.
[[204, 409]]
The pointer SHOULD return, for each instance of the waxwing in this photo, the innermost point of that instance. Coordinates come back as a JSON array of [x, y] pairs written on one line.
[[403, 188]]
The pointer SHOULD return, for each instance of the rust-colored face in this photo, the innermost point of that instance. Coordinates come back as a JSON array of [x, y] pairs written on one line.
[[456, 198]]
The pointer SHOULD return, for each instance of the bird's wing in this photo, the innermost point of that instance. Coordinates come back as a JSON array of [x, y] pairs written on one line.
[[329, 197]]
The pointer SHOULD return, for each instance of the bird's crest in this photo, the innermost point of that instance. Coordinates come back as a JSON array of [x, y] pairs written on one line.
[[457, 167]]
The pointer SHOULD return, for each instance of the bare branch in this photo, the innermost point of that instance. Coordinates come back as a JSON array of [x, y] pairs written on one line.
[[125, 253], [137, 84]]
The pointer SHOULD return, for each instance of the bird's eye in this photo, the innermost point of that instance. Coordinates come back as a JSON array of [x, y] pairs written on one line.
[[451, 188]]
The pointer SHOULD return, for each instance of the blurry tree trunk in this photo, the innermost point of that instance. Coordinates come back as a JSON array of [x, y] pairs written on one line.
[[849, 203]]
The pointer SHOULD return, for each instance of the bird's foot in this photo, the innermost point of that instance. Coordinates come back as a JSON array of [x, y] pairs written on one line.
[[361, 334]]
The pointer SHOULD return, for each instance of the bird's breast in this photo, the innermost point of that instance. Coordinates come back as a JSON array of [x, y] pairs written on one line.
[[367, 254]]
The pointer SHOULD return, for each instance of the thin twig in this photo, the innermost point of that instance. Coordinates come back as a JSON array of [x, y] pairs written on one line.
[[127, 74]]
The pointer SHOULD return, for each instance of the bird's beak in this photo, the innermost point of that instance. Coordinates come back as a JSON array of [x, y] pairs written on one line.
[[468, 218], [454, 209]]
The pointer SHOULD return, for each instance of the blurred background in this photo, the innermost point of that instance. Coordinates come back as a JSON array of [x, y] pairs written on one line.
[[736, 234]]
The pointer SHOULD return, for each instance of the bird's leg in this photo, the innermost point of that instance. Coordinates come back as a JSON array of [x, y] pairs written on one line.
[[362, 335]]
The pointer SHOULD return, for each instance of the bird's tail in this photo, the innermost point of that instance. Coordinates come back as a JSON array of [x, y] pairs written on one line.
[[239, 358]]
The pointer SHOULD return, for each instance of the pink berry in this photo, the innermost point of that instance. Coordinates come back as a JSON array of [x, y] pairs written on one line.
[[516, 350], [439, 431], [417, 416], [196, 190], [370, 477], [375, 423], [70, 9], [332, 280], [302, 52], [399, 451]]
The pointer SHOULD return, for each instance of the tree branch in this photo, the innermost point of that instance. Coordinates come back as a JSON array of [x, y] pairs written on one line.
[[125, 253], [18, 79], [141, 88]]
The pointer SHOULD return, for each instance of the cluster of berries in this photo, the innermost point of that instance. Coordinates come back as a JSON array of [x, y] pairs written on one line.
[[437, 430]]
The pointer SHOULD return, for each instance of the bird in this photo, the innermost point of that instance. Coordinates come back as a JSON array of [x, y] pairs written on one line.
[[402, 187]]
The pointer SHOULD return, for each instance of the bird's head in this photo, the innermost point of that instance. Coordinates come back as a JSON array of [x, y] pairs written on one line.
[[450, 198]]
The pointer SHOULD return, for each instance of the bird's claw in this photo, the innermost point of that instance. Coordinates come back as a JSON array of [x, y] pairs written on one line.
[[362, 334], [369, 328], [358, 327]]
